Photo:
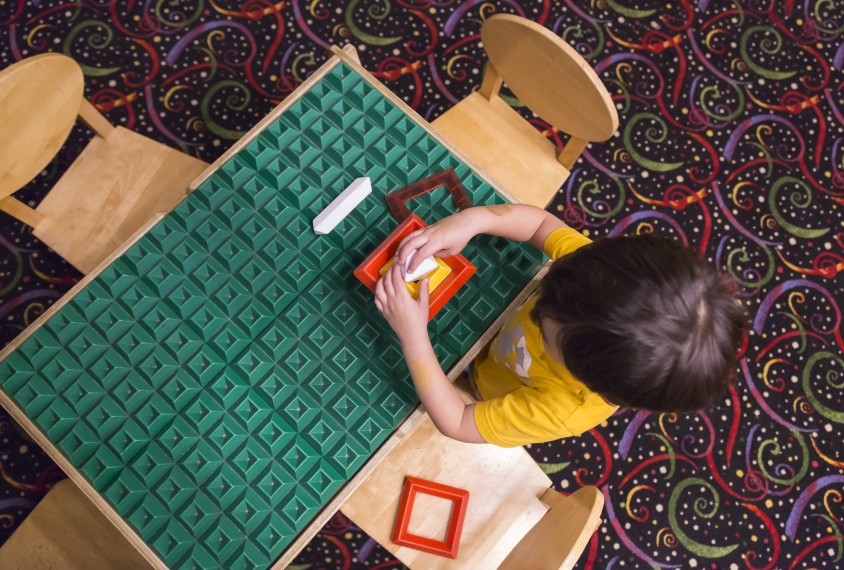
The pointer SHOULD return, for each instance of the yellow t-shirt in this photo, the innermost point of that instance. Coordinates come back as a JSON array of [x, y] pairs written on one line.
[[528, 396]]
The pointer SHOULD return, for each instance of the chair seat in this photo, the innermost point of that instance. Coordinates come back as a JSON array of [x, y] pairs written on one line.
[[66, 531], [109, 192], [505, 145], [504, 488]]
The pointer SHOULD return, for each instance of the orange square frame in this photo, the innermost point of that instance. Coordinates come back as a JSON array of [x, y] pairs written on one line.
[[403, 537], [461, 269]]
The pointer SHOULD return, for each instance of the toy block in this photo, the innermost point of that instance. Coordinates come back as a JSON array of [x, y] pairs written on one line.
[[448, 178], [401, 535], [427, 266], [368, 271], [342, 206], [435, 279]]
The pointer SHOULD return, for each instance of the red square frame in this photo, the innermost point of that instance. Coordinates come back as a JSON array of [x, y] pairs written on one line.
[[448, 178], [402, 537], [461, 268]]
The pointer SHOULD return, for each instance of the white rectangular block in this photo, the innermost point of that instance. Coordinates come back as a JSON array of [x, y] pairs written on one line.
[[342, 206], [424, 268]]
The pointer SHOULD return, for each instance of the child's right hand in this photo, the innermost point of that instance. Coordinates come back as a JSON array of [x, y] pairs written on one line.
[[445, 238]]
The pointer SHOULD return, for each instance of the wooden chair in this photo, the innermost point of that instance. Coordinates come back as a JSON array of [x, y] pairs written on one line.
[[117, 184], [67, 532], [506, 525], [554, 82]]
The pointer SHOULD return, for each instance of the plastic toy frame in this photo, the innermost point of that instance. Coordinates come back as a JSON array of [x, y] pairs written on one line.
[[448, 178], [402, 537], [461, 269]]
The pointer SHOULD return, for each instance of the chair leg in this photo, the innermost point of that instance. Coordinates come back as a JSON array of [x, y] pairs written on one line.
[[491, 84], [571, 152], [94, 119]]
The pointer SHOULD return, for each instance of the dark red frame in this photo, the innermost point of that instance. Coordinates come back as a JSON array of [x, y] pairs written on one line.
[[448, 178], [402, 537], [461, 269]]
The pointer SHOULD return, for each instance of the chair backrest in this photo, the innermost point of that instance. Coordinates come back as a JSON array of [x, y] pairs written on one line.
[[550, 77], [39, 101], [558, 539]]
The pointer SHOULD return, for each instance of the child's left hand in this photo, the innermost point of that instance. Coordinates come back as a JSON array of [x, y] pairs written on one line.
[[408, 318]]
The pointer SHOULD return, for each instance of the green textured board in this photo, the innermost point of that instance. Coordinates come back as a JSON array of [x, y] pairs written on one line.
[[220, 380]]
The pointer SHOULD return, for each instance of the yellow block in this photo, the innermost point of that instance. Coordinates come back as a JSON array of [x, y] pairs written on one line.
[[436, 277]]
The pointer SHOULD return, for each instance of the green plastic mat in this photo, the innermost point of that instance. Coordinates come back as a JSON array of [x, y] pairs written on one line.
[[220, 380]]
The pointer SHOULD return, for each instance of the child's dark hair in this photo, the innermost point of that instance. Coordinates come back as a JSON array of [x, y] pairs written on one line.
[[644, 322]]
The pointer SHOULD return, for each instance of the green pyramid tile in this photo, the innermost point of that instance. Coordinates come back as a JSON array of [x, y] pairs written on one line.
[[191, 212], [273, 433], [276, 386], [249, 459], [230, 341], [322, 385], [174, 541], [151, 464], [273, 534], [142, 257], [205, 365], [200, 462], [250, 411], [277, 340], [371, 428], [101, 467], [106, 417], [322, 433], [57, 419], [298, 507], [198, 558], [223, 538], [225, 486], [225, 436], [322, 481], [233, 252], [148, 516], [179, 437], [298, 457], [228, 387], [174, 489], [66, 324], [15, 373], [300, 363], [273, 483], [124, 491], [231, 298], [248, 511], [158, 367], [210, 275], [156, 413], [254, 317], [79, 443], [199, 512], [346, 406], [129, 440], [249, 555], [116, 278], [277, 253], [258, 153], [211, 234], [202, 412], [179, 390]]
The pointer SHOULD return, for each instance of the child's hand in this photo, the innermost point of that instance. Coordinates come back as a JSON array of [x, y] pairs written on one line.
[[445, 238], [408, 318]]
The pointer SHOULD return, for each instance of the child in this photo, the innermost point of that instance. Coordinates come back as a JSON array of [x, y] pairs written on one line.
[[633, 321]]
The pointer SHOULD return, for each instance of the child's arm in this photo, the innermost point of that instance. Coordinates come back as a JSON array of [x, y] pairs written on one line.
[[409, 320], [448, 236]]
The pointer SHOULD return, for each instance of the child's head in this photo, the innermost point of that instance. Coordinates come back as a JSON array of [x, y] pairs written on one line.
[[643, 322]]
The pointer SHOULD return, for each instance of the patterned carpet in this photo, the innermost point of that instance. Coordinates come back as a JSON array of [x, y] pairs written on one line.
[[730, 140]]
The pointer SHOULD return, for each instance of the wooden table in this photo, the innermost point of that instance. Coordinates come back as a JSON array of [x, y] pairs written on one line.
[[41, 395]]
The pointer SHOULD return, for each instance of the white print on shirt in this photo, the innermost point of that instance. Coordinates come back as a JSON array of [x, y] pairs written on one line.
[[510, 350]]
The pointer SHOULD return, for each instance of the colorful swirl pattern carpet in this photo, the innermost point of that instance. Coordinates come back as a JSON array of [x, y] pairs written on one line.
[[730, 140]]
